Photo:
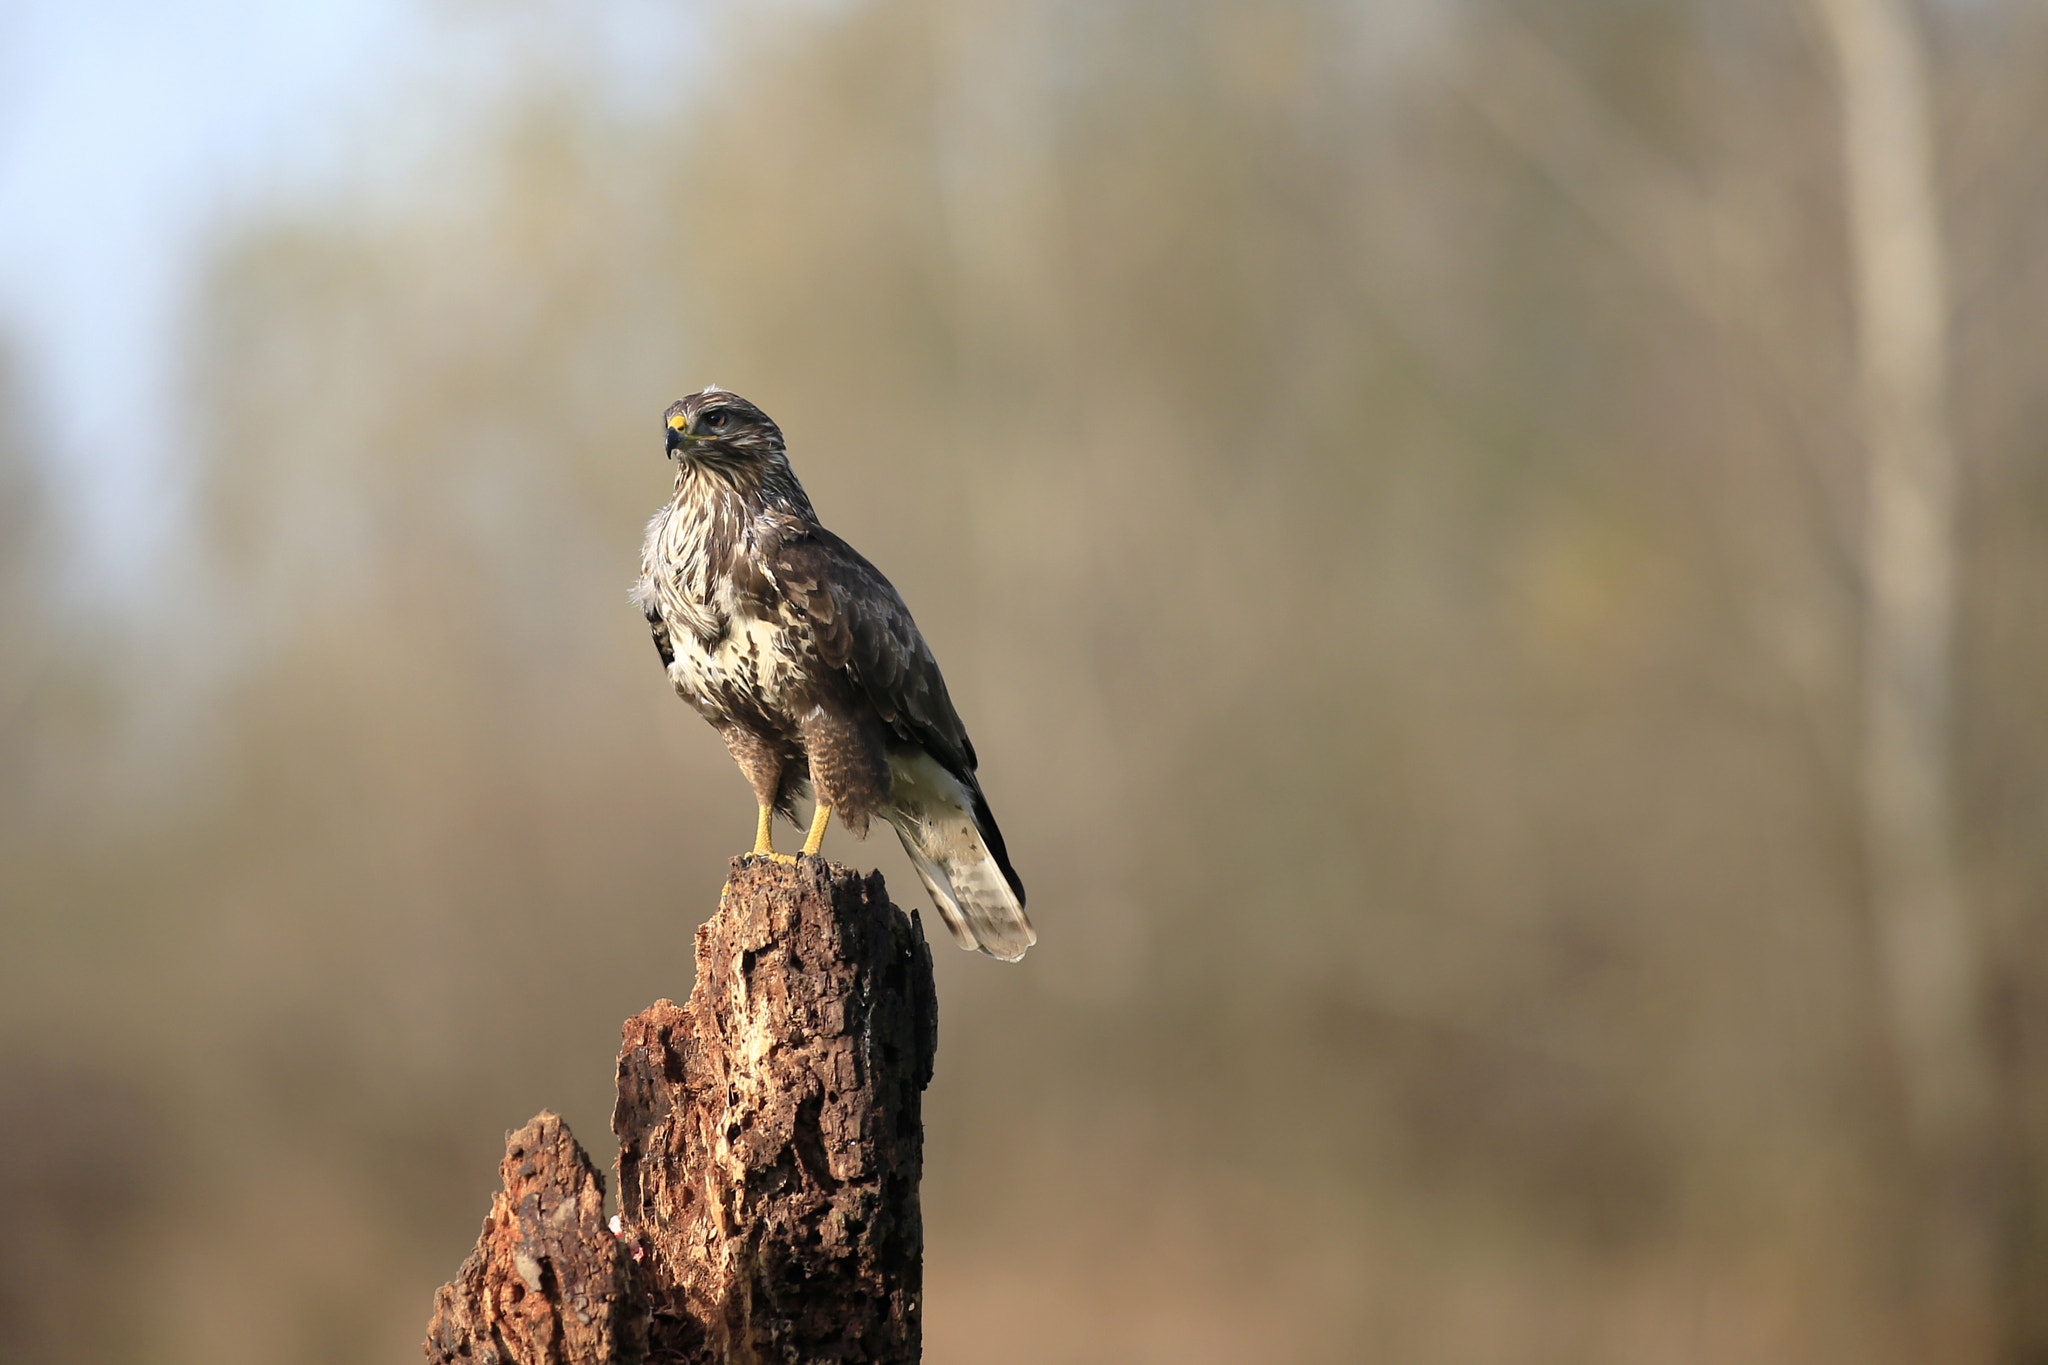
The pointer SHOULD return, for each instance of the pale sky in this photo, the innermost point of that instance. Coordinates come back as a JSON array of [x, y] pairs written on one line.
[[130, 130]]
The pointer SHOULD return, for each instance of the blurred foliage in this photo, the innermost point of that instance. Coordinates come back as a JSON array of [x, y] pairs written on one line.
[[1377, 478]]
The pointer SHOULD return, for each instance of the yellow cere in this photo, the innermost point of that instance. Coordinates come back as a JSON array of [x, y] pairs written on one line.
[[679, 421]]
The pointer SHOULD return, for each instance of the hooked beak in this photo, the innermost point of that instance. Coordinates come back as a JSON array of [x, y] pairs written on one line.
[[678, 439]]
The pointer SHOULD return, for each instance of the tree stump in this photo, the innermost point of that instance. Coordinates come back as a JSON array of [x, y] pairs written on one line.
[[547, 1282], [770, 1149]]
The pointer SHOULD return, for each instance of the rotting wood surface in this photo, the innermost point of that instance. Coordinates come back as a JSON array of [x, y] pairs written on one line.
[[547, 1282], [770, 1150]]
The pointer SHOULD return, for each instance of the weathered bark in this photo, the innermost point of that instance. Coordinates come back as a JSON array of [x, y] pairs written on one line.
[[770, 1144], [548, 1284], [770, 1149]]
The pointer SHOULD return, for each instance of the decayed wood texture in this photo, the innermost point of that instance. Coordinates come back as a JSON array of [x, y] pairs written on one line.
[[770, 1149], [548, 1284], [770, 1142]]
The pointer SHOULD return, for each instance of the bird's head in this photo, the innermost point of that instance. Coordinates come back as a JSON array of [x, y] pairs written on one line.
[[719, 430], [718, 438]]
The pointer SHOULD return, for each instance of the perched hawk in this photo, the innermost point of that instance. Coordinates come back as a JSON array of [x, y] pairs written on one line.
[[806, 662]]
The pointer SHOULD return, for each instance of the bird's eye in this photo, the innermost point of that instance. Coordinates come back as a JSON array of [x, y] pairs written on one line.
[[717, 421]]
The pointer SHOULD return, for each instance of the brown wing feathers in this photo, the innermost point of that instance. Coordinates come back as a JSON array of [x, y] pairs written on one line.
[[861, 626]]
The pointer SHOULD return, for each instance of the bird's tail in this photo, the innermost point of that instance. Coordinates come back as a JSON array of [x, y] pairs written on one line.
[[953, 842]]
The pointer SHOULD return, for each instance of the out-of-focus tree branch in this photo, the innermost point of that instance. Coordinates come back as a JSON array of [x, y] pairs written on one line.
[[1709, 252], [1647, 206], [1714, 251], [1927, 946]]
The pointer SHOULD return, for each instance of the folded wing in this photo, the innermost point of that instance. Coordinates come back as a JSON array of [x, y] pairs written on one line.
[[862, 628]]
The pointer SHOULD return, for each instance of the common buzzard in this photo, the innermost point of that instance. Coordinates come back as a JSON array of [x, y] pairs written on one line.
[[806, 662]]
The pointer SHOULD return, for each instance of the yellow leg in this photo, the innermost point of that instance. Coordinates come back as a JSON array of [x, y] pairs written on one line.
[[817, 835], [764, 846]]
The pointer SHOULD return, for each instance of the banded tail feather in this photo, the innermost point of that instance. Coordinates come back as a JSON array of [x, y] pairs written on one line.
[[951, 837]]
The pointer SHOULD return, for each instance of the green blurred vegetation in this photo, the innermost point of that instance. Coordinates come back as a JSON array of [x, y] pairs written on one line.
[[1380, 481]]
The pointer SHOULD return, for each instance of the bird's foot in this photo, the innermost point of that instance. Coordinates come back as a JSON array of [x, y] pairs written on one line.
[[764, 846]]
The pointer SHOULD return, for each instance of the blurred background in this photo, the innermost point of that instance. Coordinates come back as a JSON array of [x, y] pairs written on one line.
[[1386, 480]]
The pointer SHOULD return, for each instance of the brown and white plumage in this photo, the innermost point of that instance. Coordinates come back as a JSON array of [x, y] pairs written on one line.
[[806, 661]]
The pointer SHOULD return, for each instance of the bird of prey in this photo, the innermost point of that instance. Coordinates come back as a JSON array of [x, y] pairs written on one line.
[[806, 662]]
